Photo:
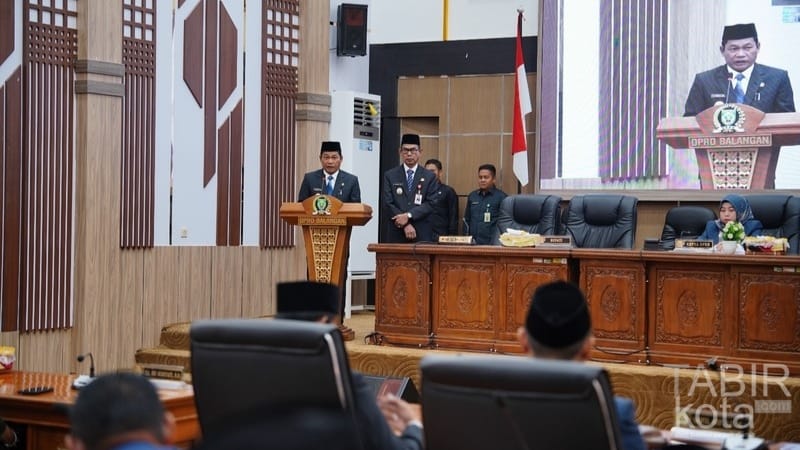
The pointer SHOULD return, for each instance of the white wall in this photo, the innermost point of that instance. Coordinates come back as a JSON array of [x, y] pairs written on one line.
[[402, 21]]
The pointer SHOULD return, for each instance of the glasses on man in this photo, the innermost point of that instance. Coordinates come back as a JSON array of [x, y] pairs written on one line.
[[409, 149]]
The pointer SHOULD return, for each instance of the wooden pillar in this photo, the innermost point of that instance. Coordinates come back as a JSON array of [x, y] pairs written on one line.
[[313, 113], [99, 92]]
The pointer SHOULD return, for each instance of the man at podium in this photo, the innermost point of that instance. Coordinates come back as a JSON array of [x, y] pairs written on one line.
[[740, 79], [330, 179]]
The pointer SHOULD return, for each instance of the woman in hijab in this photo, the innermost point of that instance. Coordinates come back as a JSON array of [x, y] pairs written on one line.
[[732, 208]]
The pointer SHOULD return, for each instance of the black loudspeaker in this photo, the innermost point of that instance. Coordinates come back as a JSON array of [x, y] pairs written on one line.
[[351, 36], [402, 387]]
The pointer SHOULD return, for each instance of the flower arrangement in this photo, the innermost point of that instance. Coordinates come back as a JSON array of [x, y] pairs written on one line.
[[733, 231]]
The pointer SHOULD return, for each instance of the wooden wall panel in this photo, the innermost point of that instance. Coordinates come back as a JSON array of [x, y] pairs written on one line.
[[138, 125], [423, 97], [469, 152], [49, 351], [475, 104], [226, 282]]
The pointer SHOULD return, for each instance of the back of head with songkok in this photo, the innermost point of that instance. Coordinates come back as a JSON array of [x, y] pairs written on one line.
[[739, 31], [741, 205], [308, 300], [330, 146], [410, 139], [114, 405], [558, 316]]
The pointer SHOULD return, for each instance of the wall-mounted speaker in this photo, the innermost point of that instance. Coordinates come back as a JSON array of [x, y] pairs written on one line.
[[351, 30]]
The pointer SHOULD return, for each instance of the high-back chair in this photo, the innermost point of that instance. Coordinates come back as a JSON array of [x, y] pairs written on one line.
[[480, 402], [242, 367], [780, 216], [533, 213], [602, 221], [684, 222]]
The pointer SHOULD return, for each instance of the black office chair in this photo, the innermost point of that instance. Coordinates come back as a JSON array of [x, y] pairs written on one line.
[[480, 402], [528, 212], [684, 222], [602, 221], [780, 216], [245, 367]]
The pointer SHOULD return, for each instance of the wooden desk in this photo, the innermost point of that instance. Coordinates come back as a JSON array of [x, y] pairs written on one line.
[[45, 418], [647, 307]]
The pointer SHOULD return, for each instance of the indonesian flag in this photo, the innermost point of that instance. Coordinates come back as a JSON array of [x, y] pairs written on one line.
[[522, 106]]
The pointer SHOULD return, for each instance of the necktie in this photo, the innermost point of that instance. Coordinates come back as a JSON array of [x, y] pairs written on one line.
[[410, 179], [329, 185], [737, 90]]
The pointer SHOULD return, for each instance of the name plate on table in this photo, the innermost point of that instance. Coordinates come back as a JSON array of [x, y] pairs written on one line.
[[164, 371], [700, 244], [556, 242], [459, 240]]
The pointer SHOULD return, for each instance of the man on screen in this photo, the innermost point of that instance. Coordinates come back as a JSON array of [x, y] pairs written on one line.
[[740, 79]]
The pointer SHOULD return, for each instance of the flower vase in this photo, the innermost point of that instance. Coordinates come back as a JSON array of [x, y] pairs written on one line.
[[729, 247]]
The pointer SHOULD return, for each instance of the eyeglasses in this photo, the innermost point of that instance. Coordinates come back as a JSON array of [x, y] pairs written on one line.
[[408, 149]]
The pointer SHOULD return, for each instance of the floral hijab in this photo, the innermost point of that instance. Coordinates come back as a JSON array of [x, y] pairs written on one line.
[[743, 211]]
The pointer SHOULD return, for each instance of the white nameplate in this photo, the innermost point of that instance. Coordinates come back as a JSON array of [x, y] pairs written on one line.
[[462, 240]]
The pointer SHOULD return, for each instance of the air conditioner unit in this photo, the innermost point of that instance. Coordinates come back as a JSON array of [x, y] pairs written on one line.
[[356, 124]]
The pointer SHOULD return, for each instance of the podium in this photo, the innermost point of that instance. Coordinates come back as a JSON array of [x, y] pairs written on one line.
[[326, 224], [737, 146]]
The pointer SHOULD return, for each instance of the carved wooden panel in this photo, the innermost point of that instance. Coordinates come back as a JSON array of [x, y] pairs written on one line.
[[402, 293], [280, 41], [521, 281], [466, 298], [688, 306], [769, 311], [137, 166], [615, 292], [50, 47]]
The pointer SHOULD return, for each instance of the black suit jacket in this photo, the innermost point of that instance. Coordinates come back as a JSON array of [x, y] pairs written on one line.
[[768, 90], [346, 189], [396, 199], [375, 432], [444, 219]]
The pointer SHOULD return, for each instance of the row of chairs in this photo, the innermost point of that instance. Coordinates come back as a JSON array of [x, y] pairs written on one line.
[[593, 221], [609, 220], [253, 376]]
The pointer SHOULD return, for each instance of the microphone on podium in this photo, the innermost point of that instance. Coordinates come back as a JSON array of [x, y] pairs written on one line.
[[83, 380], [728, 90], [91, 362]]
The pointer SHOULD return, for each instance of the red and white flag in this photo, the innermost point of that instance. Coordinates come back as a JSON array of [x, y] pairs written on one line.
[[522, 106]]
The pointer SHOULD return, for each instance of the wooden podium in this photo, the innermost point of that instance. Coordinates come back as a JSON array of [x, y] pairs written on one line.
[[737, 146], [326, 224]]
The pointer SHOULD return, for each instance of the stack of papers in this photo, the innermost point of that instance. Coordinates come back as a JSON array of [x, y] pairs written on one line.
[[519, 238]]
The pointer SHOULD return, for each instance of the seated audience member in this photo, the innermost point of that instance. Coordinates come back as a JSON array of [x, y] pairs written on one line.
[[119, 411], [558, 326], [319, 302], [732, 208]]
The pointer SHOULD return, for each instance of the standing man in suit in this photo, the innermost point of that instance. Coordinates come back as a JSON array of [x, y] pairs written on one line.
[[740, 79], [483, 206], [409, 193], [558, 326], [329, 179], [444, 219]]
